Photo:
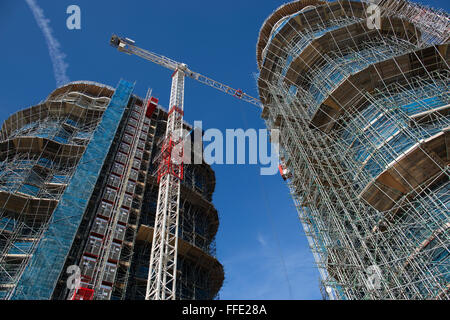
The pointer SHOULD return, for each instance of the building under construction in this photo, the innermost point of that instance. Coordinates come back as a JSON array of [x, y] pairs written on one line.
[[78, 188], [360, 95]]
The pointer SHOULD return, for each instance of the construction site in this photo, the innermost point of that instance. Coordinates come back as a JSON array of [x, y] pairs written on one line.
[[363, 114], [358, 93], [78, 187]]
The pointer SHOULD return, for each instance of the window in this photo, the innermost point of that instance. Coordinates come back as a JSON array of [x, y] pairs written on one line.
[[127, 138], [139, 154], [119, 234], [130, 130], [118, 168], [105, 209], [121, 157], [71, 122], [110, 194], [99, 226], [135, 114], [123, 215], [127, 201], [29, 190], [20, 248], [133, 122], [125, 148], [141, 144], [110, 272], [136, 163], [114, 254], [59, 179], [62, 136], [104, 293], [113, 181], [45, 162], [93, 245], [87, 266], [130, 186], [134, 174]]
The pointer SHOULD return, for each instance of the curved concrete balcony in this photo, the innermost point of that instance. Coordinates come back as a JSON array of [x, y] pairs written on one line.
[[407, 173], [191, 252], [196, 198], [94, 89], [28, 207], [40, 146], [317, 52], [50, 109], [378, 75]]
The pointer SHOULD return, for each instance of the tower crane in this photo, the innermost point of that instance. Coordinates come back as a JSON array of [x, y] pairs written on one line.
[[162, 275], [128, 46]]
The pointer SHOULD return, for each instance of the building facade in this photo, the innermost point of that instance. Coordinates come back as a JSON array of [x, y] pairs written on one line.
[[78, 189], [360, 95]]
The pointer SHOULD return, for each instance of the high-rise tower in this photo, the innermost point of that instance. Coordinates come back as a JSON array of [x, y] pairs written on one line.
[[360, 94], [78, 188]]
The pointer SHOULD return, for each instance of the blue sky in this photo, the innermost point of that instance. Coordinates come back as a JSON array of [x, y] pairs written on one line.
[[260, 240]]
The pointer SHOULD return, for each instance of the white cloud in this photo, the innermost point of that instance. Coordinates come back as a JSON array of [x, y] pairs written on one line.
[[57, 57], [261, 240]]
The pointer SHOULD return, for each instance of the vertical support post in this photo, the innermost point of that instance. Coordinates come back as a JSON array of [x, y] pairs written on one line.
[[161, 283]]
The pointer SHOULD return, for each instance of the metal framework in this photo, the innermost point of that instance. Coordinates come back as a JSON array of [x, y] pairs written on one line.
[[199, 274], [163, 259], [109, 237], [41, 148], [128, 46], [75, 183], [162, 275], [365, 146]]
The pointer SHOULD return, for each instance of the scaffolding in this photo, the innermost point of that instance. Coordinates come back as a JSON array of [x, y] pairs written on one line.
[[50, 156], [106, 252], [77, 187], [363, 117], [199, 274]]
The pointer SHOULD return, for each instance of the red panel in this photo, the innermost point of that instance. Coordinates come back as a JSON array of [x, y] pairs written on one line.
[[166, 165], [151, 107], [281, 172], [176, 109], [83, 294]]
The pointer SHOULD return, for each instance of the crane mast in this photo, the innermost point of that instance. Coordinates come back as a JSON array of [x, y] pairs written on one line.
[[162, 275], [161, 283]]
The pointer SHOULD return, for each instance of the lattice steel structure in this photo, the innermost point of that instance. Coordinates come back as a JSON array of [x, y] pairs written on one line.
[[73, 174], [162, 276], [363, 114]]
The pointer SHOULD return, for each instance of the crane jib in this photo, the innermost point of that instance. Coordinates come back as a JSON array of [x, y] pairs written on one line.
[[128, 46]]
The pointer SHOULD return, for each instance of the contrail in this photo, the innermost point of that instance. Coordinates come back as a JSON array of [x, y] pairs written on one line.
[[57, 57]]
